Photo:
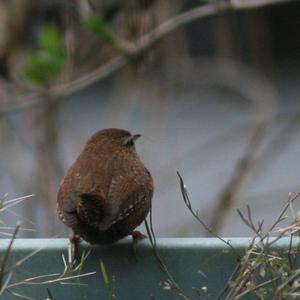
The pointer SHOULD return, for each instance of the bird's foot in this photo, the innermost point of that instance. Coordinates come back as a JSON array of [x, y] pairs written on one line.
[[136, 237], [74, 250]]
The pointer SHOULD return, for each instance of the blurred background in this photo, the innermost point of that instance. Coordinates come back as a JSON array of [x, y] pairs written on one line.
[[213, 87]]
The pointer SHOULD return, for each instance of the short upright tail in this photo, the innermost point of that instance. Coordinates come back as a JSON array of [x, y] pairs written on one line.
[[94, 211]]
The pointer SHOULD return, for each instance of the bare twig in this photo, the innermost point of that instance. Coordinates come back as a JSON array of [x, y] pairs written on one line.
[[196, 216]]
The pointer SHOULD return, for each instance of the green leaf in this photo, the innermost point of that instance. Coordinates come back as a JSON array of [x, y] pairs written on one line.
[[96, 24], [48, 61], [50, 40]]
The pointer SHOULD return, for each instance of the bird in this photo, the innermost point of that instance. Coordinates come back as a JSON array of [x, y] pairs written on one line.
[[107, 192]]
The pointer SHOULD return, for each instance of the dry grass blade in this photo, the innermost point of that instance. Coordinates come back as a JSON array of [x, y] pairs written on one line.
[[10, 203], [20, 295], [5, 258], [13, 228], [17, 199], [31, 281]]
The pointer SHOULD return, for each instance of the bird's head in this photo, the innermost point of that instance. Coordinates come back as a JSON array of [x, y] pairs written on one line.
[[115, 137]]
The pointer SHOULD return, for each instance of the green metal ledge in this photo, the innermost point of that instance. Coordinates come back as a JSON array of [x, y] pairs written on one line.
[[186, 259]]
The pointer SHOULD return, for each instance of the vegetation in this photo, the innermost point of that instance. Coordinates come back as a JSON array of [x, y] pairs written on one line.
[[8, 270], [263, 270]]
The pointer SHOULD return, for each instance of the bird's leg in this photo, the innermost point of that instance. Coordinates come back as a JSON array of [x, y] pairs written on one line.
[[74, 249], [136, 237]]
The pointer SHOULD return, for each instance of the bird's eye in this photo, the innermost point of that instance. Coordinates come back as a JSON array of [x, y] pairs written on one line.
[[128, 141]]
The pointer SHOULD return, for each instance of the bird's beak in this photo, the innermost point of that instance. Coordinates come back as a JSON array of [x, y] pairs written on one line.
[[131, 139], [136, 136]]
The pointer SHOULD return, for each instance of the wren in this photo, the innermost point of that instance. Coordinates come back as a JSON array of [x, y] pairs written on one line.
[[107, 191]]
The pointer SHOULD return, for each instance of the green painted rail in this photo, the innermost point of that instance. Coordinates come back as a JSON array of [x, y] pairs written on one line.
[[186, 259]]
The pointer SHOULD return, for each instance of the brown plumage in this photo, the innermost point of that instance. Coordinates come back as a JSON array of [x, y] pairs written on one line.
[[107, 192]]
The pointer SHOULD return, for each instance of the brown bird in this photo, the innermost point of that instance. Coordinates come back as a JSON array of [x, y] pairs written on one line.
[[107, 192]]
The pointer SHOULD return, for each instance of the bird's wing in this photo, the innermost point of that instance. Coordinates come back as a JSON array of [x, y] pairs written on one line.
[[118, 192], [67, 210], [124, 196], [87, 208], [102, 213]]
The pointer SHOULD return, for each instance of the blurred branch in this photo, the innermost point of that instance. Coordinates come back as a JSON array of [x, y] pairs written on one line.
[[243, 166], [199, 12], [134, 49], [48, 166], [248, 4], [102, 72], [282, 139], [250, 161], [66, 88]]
